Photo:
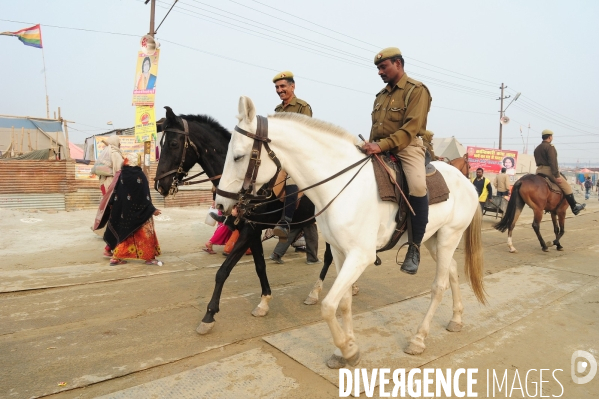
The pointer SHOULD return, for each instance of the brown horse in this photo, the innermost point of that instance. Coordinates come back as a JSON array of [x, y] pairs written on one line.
[[462, 165], [534, 191]]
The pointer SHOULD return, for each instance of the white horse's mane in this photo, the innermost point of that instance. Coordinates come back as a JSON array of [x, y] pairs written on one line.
[[317, 124]]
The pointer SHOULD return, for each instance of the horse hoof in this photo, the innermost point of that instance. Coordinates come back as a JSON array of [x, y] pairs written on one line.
[[454, 327], [354, 290], [513, 251], [560, 248], [336, 362], [205, 328], [311, 301], [259, 312], [545, 249], [355, 359], [414, 349]]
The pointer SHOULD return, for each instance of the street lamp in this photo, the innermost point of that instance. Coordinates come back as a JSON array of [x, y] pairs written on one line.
[[515, 98]]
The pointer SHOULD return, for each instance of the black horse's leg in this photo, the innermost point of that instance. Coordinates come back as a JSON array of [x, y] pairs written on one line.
[[258, 254], [312, 298], [242, 244], [328, 259]]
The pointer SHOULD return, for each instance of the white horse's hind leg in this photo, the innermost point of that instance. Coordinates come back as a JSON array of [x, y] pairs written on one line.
[[340, 296], [444, 252], [455, 324]]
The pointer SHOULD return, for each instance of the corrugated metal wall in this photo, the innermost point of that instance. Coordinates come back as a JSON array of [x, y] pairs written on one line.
[[52, 185], [33, 201]]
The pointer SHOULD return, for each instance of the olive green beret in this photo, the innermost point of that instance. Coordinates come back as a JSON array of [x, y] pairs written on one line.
[[385, 54], [546, 131], [283, 75]]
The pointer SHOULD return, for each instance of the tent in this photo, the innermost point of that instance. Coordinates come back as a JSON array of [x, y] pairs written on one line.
[[449, 148], [22, 134], [75, 151]]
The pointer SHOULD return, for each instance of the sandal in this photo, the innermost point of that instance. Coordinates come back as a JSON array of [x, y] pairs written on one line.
[[116, 262], [209, 250], [108, 254], [155, 262]]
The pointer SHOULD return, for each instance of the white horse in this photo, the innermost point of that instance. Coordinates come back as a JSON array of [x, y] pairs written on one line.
[[357, 221]]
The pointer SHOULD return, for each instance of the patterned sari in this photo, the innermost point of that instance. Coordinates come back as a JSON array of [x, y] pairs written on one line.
[[142, 244]]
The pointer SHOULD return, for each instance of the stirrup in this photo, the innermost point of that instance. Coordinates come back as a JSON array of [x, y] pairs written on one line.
[[282, 230]]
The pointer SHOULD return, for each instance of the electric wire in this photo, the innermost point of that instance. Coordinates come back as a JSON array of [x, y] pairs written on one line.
[[358, 40]]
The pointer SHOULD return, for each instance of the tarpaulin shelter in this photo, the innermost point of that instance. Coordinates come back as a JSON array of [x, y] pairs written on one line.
[[20, 135]]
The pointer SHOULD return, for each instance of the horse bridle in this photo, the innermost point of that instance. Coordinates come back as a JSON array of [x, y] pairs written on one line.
[[244, 196], [174, 188], [260, 139]]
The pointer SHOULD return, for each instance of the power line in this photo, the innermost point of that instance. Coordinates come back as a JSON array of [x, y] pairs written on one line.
[[353, 38], [63, 27], [278, 31], [538, 114], [442, 83], [457, 89], [527, 101]]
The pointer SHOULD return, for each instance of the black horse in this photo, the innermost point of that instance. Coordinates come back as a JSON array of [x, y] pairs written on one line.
[[191, 139]]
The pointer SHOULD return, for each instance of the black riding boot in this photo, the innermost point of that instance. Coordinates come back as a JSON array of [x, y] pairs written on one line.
[[281, 230], [419, 221], [576, 208]]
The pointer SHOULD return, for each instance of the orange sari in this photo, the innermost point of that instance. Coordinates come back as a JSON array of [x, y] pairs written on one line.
[[143, 244]]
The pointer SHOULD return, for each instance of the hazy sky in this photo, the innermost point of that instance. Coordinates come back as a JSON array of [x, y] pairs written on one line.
[[214, 51]]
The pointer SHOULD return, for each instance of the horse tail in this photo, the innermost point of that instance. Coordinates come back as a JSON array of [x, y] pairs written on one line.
[[473, 268], [508, 217]]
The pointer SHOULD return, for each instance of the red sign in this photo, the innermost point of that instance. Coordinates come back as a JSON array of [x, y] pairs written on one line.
[[492, 160]]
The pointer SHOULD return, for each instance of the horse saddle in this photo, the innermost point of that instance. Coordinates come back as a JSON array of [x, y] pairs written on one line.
[[388, 191], [552, 186]]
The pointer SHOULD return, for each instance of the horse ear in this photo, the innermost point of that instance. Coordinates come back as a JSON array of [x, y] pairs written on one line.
[[169, 113], [246, 108]]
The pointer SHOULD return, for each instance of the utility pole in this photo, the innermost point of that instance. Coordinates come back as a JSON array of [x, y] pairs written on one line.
[[501, 113], [148, 144]]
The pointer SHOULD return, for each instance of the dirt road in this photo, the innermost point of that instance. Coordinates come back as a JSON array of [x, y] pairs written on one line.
[[67, 316]]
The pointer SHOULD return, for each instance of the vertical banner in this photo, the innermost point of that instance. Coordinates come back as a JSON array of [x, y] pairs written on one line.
[[145, 123], [144, 88], [492, 160]]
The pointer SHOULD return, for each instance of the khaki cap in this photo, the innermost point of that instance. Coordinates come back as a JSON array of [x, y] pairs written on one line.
[[283, 75], [546, 131], [385, 54]]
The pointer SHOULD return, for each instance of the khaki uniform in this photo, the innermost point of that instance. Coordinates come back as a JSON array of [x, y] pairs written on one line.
[[502, 182], [299, 107], [295, 105], [399, 119], [546, 159]]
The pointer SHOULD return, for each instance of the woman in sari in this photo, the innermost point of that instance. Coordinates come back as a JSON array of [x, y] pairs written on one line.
[[130, 229]]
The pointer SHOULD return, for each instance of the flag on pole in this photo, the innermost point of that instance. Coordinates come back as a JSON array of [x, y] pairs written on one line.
[[28, 36]]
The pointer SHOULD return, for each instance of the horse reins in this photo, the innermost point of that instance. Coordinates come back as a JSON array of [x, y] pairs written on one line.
[[244, 195], [174, 188]]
